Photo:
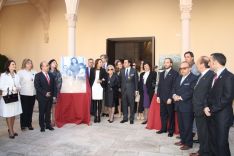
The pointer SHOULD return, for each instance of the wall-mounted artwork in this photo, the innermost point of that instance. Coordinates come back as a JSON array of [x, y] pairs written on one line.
[[176, 61], [73, 71]]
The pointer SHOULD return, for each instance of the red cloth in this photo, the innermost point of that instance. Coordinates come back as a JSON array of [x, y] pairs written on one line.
[[73, 108], [154, 120]]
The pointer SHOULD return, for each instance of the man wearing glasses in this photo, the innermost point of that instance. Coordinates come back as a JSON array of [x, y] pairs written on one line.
[[182, 96]]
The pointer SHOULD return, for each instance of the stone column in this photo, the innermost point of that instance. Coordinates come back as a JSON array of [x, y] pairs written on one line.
[[71, 17], [185, 8]]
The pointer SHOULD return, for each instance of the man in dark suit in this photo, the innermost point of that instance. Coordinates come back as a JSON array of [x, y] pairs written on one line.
[[129, 88], [220, 106], [200, 95], [45, 92], [89, 66], [165, 86], [182, 95]]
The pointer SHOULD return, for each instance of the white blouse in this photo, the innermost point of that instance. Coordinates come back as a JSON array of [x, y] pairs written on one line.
[[26, 79], [145, 76]]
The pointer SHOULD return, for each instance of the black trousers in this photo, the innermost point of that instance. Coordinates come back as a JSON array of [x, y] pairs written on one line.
[[167, 113], [97, 107], [185, 120], [202, 123], [45, 112], [27, 103], [128, 100], [219, 133]]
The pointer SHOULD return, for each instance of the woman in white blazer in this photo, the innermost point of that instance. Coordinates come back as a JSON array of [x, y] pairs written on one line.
[[9, 82]]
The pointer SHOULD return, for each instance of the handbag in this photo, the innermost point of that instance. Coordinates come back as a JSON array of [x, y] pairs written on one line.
[[137, 97], [9, 98]]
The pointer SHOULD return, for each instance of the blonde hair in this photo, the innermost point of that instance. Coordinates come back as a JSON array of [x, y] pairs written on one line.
[[25, 61]]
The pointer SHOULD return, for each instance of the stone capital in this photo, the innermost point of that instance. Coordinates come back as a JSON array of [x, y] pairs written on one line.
[[185, 8]]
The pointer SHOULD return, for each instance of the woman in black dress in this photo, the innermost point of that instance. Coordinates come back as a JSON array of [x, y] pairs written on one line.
[[111, 91], [146, 88]]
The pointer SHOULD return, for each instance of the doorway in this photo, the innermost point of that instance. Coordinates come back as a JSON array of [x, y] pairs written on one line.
[[135, 49]]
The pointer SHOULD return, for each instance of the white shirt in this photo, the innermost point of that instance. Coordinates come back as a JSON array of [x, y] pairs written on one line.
[[127, 69], [145, 76], [166, 71], [202, 74], [183, 78], [27, 82]]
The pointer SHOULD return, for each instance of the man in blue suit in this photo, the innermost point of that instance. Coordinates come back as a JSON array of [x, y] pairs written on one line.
[[182, 96], [165, 86]]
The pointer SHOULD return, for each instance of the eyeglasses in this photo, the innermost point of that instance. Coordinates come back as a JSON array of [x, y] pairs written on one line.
[[110, 69], [184, 68]]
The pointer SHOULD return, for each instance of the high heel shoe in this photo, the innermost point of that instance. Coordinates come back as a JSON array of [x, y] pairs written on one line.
[[15, 134], [11, 136]]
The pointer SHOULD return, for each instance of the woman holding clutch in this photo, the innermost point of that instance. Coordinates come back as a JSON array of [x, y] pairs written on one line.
[[10, 105]]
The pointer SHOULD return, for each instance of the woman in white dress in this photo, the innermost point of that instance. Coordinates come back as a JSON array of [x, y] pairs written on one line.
[[9, 82], [97, 82]]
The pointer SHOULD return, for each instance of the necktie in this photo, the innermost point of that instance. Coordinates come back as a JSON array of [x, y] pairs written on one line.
[[165, 74], [182, 80], [47, 78], [126, 74], [199, 79], [215, 79]]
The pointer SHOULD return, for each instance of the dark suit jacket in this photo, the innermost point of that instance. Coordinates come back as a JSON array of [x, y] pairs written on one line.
[[42, 86], [150, 85], [200, 93], [165, 86], [221, 97], [185, 90], [129, 84], [102, 75]]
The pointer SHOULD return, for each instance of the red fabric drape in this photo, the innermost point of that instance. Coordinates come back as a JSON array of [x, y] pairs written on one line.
[[154, 121], [73, 108]]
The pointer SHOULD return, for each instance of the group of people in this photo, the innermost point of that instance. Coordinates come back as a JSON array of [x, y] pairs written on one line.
[[21, 89], [115, 88], [201, 93]]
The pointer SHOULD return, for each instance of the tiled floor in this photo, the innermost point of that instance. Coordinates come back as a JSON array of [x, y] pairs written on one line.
[[102, 139]]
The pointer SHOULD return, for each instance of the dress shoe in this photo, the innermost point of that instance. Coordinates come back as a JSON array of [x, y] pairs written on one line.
[[170, 134], [185, 147], [131, 122], [95, 119], [196, 141], [161, 131], [23, 128], [99, 119], [30, 128], [123, 121], [179, 143], [50, 128], [145, 122], [42, 129], [194, 154]]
